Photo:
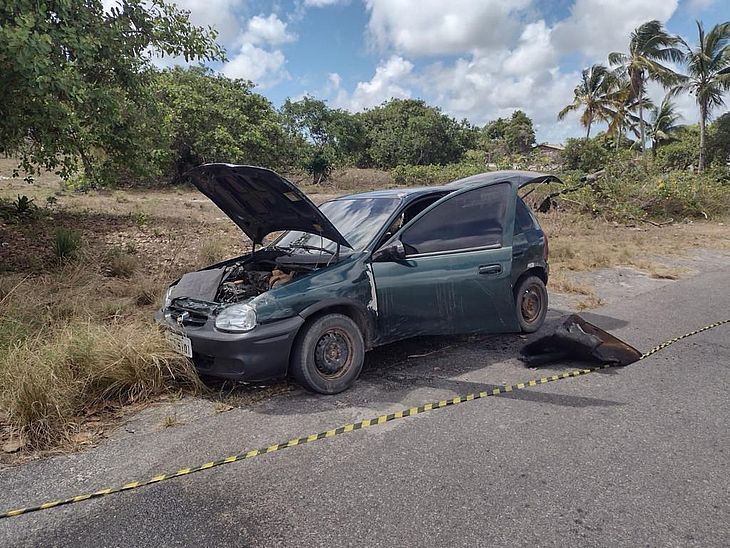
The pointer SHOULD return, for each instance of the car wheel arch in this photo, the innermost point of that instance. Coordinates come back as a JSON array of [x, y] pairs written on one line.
[[352, 310], [539, 271]]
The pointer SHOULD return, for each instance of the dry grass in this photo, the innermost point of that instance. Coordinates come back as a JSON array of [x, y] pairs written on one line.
[[74, 340], [562, 283], [592, 301], [170, 420], [121, 264], [212, 251], [581, 244]]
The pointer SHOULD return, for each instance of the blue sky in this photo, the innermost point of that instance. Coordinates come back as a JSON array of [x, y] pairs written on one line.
[[476, 59]]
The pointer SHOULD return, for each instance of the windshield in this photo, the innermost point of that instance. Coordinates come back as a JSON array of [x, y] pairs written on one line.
[[358, 220]]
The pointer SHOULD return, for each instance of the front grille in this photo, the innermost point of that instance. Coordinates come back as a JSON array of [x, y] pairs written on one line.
[[185, 318], [190, 312]]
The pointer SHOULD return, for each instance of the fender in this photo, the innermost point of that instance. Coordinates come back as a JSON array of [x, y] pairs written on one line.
[[356, 310]]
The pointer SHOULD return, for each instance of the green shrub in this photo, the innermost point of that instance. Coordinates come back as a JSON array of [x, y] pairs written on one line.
[[24, 206], [320, 165], [66, 243], [140, 218], [682, 152], [639, 190], [586, 156]]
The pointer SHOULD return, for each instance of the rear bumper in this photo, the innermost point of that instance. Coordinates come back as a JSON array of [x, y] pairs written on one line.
[[258, 355]]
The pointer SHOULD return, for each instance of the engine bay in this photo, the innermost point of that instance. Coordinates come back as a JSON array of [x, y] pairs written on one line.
[[263, 271]]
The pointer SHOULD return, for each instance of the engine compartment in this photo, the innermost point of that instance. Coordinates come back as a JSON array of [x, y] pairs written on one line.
[[263, 271]]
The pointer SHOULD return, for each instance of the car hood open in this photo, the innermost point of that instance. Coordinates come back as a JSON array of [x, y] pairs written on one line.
[[260, 201]]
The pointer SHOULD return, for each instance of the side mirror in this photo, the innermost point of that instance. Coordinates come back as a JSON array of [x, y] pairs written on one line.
[[392, 252]]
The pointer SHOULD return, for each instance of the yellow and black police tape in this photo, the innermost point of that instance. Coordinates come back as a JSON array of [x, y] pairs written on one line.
[[367, 423]]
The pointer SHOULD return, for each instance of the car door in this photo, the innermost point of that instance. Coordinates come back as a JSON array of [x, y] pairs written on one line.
[[455, 277]]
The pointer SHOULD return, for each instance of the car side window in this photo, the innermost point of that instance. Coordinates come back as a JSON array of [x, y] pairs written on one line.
[[523, 218], [407, 215], [470, 220]]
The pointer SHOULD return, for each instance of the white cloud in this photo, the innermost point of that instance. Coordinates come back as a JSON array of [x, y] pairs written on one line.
[[257, 57], [534, 52], [597, 27], [219, 14], [266, 30], [684, 103], [387, 83], [480, 89], [334, 79], [262, 67], [334, 82], [431, 27]]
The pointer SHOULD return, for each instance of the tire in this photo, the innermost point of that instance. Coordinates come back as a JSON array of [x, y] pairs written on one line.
[[328, 354], [531, 304]]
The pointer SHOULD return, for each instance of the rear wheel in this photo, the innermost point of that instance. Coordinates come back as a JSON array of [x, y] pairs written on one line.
[[328, 354], [531, 303]]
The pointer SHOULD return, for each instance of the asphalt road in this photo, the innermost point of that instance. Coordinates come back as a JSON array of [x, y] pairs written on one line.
[[626, 457]]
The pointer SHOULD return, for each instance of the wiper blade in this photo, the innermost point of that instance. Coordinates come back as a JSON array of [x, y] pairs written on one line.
[[312, 248]]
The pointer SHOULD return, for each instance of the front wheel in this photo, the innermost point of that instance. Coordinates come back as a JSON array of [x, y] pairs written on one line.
[[328, 354], [531, 303]]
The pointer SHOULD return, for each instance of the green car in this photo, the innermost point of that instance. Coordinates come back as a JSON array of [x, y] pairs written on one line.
[[354, 273]]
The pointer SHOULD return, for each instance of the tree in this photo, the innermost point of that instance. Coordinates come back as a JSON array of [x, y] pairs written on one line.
[[515, 135], [333, 136], [75, 76], [662, 123], [592, 96], [586, 155], [496, 129], [408, 131], [682, 152], [622, 109], [519, 134], [708, 74], [202, 117], [649, 45], [718, 145]]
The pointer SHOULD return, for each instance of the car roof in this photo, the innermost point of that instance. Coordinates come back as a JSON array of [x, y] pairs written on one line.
[[507, 175], [399, 193]]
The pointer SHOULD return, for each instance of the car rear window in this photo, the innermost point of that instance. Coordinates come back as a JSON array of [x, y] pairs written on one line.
[[470, 220], [523, 218]]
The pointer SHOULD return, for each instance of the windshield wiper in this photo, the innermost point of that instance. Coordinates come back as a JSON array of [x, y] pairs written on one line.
[[312, 248]]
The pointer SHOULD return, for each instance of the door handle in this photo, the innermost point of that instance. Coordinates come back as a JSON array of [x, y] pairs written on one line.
[[490, 269]]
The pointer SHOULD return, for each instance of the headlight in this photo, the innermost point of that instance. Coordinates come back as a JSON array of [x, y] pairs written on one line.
[[237, 317], [168, 298]]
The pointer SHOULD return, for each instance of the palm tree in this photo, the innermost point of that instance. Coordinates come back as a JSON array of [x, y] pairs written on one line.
[[649, 45], [708, 74], [662, 123], [591, 96], [621, 109]]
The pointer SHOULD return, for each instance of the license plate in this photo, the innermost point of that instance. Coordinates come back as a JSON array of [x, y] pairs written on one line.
[[180, 343]]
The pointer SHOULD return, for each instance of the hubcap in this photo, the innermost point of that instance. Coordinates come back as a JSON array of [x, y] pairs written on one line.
[[333, 353], [531, 304]]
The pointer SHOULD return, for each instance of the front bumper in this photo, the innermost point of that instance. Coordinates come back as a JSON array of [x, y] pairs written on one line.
[[257, 355]]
